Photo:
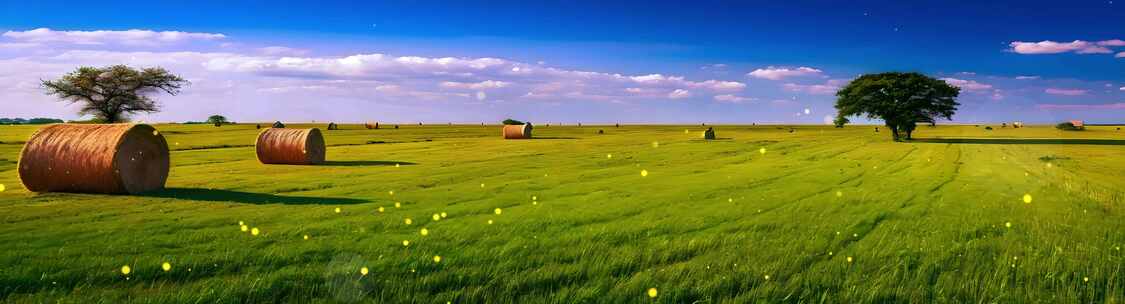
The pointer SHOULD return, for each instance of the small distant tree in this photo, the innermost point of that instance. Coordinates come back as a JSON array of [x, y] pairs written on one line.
[[901, 100], [510, 121], [217, 120], [1068, 126], [113, 93]]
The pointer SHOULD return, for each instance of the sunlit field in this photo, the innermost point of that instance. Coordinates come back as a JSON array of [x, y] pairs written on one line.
[[440, 213]]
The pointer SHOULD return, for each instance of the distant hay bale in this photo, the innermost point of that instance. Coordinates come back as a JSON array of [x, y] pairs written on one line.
[[333, 126], [371, 125], [278, 124], [517, 131], [259, 126], [709, 134], [290, 146], [600, 131], [95, 158]]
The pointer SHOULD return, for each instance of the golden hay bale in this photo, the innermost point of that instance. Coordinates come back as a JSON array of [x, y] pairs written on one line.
[[89, 158], [290, 146], [709, 134], [517, 131]]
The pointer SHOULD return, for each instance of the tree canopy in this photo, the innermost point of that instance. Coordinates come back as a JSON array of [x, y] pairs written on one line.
[[112, 93], [901, 100], [217, 120], [510, 121]]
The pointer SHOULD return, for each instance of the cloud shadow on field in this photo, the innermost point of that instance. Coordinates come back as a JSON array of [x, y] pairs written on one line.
[[363, 163], [1022, 141], [218, 195]]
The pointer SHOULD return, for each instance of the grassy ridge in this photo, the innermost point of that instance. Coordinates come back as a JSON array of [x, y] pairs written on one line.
[[922, 221]]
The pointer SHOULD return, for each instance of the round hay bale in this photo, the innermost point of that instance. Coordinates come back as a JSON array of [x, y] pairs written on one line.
[[290, 146], [278, 124], [517, 131], [99, 158]]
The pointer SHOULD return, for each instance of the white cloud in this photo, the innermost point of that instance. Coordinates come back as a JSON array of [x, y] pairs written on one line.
[[1121, 89], [968, 85], [127, 37], [777, 73], [815, 89], [481, 95], [483, 85], [1027, 77], [1052, 47], [282, 51], [1119, 55], [1112, 42], [732, 98], [1065, 92], [679, 94]]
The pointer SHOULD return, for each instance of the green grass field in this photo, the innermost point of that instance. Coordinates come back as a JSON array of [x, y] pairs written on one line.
[[823, 215]]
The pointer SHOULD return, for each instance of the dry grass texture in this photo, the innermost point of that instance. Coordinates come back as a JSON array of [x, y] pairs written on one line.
[[107, 158], [517, 131], [290, 146]]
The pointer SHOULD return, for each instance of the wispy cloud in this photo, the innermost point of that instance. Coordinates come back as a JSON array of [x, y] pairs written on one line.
[[679, 94], [127, 37], [1027, 77], [1065, 92], [968, 85], [1053, 47], [1108, 106], [730, 98], [779, 73]]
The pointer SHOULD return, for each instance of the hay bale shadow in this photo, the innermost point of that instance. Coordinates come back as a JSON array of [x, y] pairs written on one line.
[[364, 163], [1021, 141], [218, 195]]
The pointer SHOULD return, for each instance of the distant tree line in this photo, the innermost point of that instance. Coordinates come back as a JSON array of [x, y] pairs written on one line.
[[33, 121]]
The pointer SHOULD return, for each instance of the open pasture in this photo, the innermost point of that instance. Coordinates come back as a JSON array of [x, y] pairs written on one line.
[[762, 214]]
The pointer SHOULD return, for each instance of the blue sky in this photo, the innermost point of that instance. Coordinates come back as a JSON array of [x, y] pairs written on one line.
[[570, 61]]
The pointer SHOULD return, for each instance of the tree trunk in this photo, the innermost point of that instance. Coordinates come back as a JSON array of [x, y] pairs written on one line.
[[894, 132], [908, 134]]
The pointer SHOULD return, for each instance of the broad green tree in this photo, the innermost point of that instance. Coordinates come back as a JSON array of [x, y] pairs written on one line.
[[111, 94], [901, 100], [217, 120]]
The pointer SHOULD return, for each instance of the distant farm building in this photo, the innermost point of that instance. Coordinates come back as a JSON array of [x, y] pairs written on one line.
[[1078, 123]]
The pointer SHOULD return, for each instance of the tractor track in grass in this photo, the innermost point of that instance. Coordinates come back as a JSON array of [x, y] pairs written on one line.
[[956, 170]]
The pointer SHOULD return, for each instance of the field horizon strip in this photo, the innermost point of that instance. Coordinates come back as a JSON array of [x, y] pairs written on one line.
[[823, 215]]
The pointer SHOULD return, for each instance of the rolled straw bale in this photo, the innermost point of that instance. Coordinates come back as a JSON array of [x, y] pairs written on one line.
[[278, 124], [95, 158], [333, 126], [290, 146], [517, 131]]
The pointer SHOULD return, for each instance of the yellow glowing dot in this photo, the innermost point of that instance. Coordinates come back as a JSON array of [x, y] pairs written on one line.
[[381, 209], [730, 200], [397, 165], [1048, 165], [829, 253], [155, 132], [437, 259], [254, 231], [762, 150], [498, 211], [535, 203], [652, 293], [1085, 279], [166, 266], [490, 222], [839, 194], [398, 205], [306, 237], [685, 131], [482, 185], [425, 231], [609, 156], [534, 198], [2, 188], [849, 259], [337, 209], [437, 217], [240, 223], [855, 234], [408, 221], [126, 270], [767, 277], [1008, 224], [392, 192], [405, 243], [443, 215], [644, 173], [1026, 174], [1027, 198], [363, 271], [655, 144], [244, 228]]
